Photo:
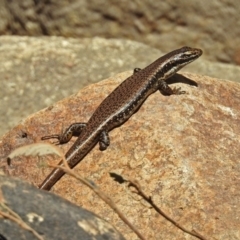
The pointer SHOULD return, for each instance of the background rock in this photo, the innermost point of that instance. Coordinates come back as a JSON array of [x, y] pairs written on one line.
[[211, 25]]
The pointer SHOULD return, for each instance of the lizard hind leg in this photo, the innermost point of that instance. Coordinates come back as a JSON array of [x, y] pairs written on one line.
[[73, 130], [104, 141]]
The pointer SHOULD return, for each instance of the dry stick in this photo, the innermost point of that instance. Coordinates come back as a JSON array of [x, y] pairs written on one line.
[[16, 218], [101, 194], [149, 200]]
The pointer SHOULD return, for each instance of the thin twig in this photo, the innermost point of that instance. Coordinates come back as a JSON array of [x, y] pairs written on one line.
[[135, 184]]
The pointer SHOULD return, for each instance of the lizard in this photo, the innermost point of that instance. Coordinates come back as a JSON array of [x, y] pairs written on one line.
[[119, 106]]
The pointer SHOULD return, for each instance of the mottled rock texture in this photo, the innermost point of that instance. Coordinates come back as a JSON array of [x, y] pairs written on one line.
[[184, 150]]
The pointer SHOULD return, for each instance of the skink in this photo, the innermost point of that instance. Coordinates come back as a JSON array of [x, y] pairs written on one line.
[[119, 106]]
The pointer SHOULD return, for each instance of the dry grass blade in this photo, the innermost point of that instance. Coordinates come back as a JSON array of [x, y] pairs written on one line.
[[102, 195], [11, 215], [34, 149]]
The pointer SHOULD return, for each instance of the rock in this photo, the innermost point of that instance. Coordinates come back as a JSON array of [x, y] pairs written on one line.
[[184, 151], [49, 215], [164, 25]]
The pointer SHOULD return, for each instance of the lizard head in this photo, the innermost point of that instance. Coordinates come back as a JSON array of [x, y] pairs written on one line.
[[177, 59]]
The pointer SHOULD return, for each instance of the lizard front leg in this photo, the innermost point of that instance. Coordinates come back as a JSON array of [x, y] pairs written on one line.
[[166, 90]]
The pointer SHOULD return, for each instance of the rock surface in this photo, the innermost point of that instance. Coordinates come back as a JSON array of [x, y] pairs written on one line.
[[184, 150], [49, 215]]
